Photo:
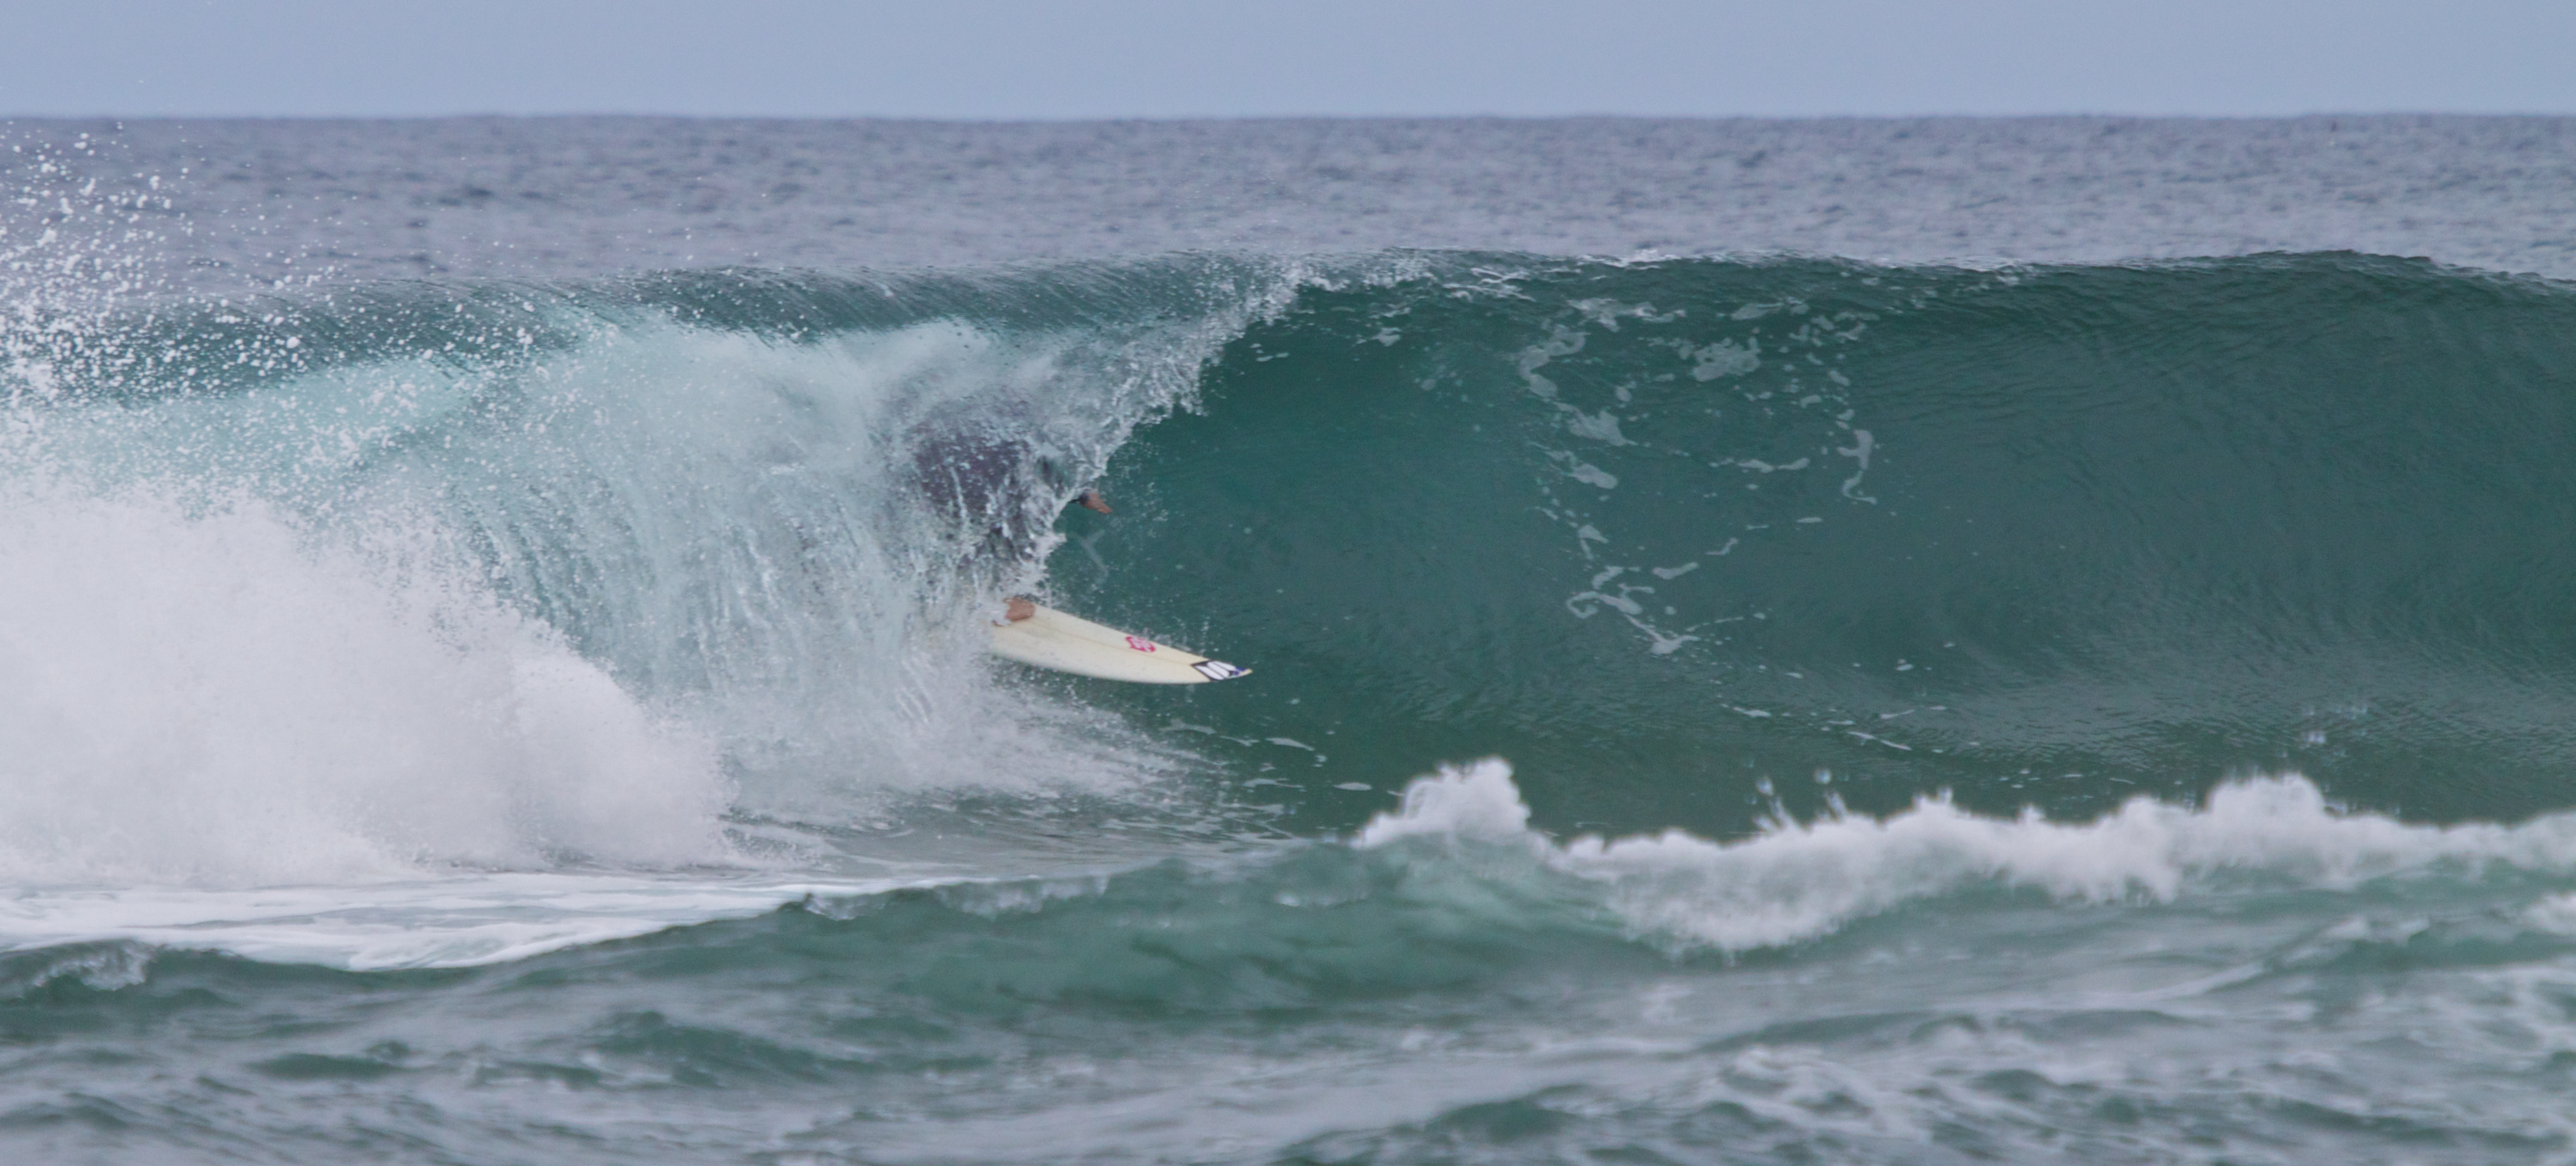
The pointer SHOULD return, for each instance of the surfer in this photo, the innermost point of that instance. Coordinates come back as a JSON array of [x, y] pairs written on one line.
[[971, 478], [1021, 607]]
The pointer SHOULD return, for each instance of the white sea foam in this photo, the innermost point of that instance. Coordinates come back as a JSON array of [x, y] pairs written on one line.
[[717, 519], [1798, 881], [215, 698], [454, 921], [252, 643]]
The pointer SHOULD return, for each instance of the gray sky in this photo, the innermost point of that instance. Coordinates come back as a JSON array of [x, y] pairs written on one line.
[[1220, 58]]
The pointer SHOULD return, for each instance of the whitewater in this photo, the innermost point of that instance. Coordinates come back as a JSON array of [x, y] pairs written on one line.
[[1828, 641]]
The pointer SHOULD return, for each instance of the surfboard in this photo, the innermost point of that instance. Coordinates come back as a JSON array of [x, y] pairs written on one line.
[[1066, 643]]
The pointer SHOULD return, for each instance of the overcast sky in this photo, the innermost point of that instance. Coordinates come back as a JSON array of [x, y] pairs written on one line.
[[1220, 58]]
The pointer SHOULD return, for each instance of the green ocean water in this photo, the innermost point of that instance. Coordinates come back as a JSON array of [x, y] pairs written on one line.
[[2054, 536], [1776, 709]]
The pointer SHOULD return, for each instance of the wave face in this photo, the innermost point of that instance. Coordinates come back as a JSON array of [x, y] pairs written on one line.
[[1677, 535], [2101, 712]]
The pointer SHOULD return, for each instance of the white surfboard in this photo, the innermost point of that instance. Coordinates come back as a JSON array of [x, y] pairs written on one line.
[[1052, 639]]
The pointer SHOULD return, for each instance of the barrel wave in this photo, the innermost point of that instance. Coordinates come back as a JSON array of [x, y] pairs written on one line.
[[2139, 695], [1692, 541]]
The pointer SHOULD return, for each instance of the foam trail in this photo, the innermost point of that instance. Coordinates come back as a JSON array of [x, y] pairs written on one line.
[[450, 921], [1798, 881]]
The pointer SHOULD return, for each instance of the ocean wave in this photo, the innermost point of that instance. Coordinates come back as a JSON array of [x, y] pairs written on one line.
[[1674, 534]]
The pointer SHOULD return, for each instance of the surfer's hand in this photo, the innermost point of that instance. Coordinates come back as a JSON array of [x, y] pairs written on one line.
[[1021, 607]]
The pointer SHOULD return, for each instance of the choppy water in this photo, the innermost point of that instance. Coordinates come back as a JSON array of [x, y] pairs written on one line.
[[1826, 641]]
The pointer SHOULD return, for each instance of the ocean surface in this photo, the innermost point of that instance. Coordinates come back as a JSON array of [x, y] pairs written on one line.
[[1944, 641]]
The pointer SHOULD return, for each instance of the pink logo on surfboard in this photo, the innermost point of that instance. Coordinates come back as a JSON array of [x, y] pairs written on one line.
[[1140, 643]]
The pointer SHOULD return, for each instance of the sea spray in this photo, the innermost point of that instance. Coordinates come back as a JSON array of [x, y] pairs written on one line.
[[218, 698], [769, 532]]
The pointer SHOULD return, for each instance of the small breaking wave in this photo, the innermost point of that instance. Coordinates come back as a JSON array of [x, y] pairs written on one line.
[[1797, 881]]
